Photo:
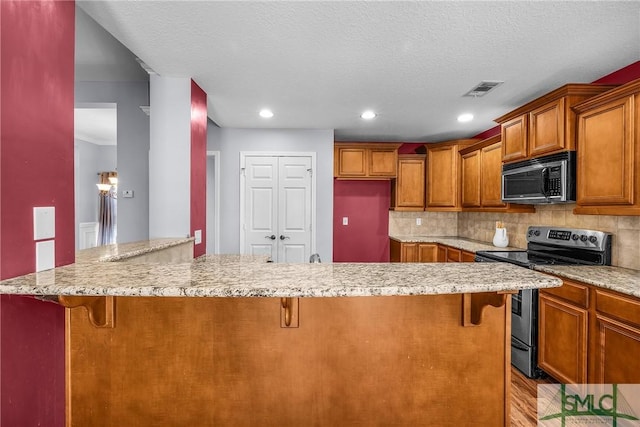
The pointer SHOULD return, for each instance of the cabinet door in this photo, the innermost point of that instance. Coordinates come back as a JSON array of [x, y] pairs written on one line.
[[409, 186], [562, 340], [617, 350], [514, 139], [442, 253], [546, 128], [606, 155], [468, 256], [383, 162], [350, 162], [454, 255], [409, 252], [471, 179], [428, 252], [491, 176], [442, 177]]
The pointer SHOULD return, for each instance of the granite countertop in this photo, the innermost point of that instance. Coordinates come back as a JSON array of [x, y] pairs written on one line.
[[123, 251], [238, 276], [456, 242], [618, 279]]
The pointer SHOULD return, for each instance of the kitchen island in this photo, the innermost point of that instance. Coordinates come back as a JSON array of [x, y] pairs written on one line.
[[233, 341]]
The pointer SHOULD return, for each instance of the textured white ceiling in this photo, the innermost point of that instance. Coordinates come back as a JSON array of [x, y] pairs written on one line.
[[97, 125], [319, 64]]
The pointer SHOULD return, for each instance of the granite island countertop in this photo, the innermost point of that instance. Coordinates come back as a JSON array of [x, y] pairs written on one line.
[[238, 276]]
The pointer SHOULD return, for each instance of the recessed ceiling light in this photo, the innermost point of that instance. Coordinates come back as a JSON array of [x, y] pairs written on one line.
[[266, 113], [466, 117], [368, 115]]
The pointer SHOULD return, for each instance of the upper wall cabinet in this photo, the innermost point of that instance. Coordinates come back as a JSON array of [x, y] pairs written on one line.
[[545, 125], [608, 168], [443, 174], [365, 160], [407, 190], [481, 180]]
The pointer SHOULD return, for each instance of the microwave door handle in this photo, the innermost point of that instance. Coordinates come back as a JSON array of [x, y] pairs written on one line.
[[545, 182]]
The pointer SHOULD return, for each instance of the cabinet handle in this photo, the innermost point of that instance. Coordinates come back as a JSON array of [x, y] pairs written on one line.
[[287, 304], [272, 237], [283, 237]]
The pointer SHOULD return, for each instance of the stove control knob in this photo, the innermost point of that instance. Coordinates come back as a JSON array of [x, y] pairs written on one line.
[[593, 239], [536, 233], [583, 238], [575, 237]]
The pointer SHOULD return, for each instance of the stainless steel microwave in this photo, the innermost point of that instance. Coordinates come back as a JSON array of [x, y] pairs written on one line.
[[548, 179]]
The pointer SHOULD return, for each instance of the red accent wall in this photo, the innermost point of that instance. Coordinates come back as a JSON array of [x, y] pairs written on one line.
[[198, 166], [366, 204], [36, 136], [36, 148], [621, 76]]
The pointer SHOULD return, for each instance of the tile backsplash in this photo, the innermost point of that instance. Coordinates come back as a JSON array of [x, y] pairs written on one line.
[[433, 223], [481, 226]]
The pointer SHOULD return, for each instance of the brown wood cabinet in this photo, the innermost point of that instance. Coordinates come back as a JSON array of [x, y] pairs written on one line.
[[365, 160], [562, 351], [589, 335], [413, 252], [481, 180], [444, 175], [427, 252], [545, 125], [408, 189], [608, 168], [450, 254]]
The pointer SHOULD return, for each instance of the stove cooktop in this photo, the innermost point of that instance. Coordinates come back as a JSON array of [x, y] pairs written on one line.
[[522, 258]]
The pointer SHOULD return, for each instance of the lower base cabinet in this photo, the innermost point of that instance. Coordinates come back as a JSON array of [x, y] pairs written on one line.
[[589, 335], [427, 252]]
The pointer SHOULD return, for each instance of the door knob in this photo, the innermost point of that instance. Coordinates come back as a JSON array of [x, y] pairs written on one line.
[[272, 237], [282, 237]]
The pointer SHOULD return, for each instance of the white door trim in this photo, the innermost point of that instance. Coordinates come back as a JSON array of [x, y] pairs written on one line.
[[216, 210], [245, 154]]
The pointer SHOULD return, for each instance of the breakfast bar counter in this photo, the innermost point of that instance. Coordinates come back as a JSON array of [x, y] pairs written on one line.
[[234, 340]]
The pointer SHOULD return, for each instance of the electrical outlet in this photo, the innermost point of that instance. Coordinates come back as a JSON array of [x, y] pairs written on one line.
[[198, 237], [345, 220], [418, 221]]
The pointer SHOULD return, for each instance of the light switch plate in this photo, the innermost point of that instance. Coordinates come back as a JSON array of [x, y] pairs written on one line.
[[345, 220], [127, 194], [44, 223], [45, 255], [198, 235], [418, 221]]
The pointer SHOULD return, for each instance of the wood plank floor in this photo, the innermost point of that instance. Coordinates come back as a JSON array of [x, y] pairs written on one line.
[[524, 393]]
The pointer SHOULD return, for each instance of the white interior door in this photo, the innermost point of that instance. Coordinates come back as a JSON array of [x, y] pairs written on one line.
[[278, 207]]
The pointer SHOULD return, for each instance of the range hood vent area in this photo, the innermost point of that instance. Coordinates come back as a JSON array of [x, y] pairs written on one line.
[[483, 88]]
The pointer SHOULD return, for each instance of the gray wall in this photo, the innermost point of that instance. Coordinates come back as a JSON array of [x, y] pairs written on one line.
[[133, 150], [230, 142], [170, 157], [91, 159]]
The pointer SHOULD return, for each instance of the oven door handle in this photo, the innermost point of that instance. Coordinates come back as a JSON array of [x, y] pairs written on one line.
[[518, 346]]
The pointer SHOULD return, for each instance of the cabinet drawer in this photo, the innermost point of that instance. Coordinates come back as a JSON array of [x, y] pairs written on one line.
[[626, 309], [570, 291]]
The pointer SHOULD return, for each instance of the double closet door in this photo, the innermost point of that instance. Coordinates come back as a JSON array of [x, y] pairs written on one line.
[[277, 207]]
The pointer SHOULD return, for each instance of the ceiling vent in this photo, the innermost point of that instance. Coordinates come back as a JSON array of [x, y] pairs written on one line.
[[484, 87]]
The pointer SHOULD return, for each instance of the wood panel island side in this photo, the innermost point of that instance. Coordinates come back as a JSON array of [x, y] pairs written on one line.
[[236, 341]]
